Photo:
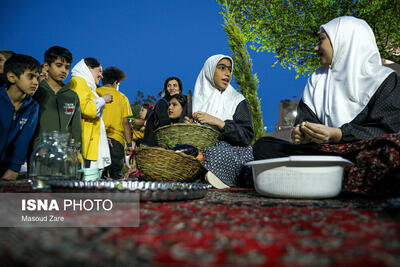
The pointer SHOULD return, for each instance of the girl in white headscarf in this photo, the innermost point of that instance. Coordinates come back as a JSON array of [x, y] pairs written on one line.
[[85, 77], [217, 103], [351, 97]]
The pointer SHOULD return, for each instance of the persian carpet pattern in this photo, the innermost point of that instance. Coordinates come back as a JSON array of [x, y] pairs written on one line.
[[233, 227], [376, 164]]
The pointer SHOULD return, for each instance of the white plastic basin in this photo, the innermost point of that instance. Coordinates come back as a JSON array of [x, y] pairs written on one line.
[[309, 177]]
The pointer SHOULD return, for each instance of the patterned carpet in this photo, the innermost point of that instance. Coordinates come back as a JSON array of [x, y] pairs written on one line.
[[232, 227]]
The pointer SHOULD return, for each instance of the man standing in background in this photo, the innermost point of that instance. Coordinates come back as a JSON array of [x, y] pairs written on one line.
[[115, 117]]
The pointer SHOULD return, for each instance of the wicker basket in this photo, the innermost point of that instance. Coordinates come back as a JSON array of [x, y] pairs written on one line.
[[197, 135], [159, 164]]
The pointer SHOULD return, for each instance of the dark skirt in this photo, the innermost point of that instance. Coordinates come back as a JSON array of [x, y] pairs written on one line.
[[226, 161], [270, 148]]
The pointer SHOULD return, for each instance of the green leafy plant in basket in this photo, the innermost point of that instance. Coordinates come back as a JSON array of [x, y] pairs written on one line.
[[170, 143]]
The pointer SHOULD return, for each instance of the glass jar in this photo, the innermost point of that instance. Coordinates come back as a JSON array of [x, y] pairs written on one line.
[[52, 159]]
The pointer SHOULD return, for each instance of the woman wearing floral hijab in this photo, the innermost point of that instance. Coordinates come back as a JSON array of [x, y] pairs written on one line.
[[349, 99], [217, 103], [85, 77]]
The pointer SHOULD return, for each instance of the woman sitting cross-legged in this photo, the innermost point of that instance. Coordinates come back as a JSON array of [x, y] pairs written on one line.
[[351, 98], [218, 104]]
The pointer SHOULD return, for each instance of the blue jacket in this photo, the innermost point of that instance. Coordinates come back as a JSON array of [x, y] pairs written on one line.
[[16, 129]]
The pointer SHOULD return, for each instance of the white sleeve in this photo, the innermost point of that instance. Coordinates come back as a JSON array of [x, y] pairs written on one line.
[[100, 103]]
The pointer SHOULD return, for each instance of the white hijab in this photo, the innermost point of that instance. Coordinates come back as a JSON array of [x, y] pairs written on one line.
[[82, 70], [206, 96], [103, 153], [338, 93]]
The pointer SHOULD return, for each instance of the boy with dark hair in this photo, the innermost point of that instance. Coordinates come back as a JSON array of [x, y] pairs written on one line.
[[18, 113], [115, 117], [59, 106]]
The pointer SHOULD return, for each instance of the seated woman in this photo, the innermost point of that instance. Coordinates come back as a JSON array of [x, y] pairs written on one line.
[[350, 98], [217, 103], [176, 114], [177, 108], [159, 117]]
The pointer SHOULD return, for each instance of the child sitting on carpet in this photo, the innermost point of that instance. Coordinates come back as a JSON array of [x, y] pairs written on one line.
[[217, 103]]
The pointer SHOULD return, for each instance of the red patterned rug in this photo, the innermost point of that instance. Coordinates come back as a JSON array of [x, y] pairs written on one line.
[[231, 227]]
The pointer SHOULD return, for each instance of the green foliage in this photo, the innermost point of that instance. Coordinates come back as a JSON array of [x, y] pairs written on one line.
[[243, 72], [289, 28]]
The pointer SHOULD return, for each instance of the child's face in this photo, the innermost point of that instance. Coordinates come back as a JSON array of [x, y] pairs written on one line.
[[143, 113], [2, 61], [173, 87], [223, 74], [27, 82], [175, 109], [97, 74], [58, 70]]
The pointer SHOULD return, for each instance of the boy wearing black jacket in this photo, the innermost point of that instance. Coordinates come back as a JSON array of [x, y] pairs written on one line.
[[59, 106]]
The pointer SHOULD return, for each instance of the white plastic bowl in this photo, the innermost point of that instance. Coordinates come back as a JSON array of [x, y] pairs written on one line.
[[299, 176]]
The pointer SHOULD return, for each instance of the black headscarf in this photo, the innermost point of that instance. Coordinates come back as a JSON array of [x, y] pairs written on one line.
[[165, 94], [182, 99]]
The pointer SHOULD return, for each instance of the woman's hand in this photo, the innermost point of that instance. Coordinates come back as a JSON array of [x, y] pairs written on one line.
[[186, 119], [299, 137], [203, 117], [320, 133]]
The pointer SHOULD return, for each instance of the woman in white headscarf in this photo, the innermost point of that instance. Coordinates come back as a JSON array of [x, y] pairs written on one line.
[[351, 97], [85, 77], [350, 108], [217, 103]]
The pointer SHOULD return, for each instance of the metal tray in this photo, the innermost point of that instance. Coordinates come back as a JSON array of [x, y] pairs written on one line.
[[149, 191]]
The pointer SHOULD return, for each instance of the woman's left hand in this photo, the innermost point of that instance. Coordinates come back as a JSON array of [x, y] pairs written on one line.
[[320, 133], [203, 117]]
